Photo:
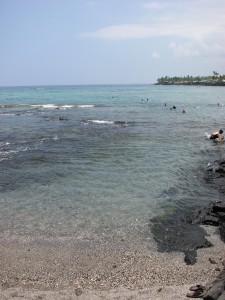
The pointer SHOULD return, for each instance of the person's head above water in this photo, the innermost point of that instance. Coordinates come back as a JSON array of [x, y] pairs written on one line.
[[221, 131]]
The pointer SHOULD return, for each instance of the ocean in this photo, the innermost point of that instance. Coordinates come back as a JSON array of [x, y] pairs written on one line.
[[97, 163]]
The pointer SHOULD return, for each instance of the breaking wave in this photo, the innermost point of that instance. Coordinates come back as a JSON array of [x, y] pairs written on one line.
[[105, 122]]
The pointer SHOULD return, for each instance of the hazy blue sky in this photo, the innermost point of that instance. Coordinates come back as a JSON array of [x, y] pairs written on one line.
[[45, 42]]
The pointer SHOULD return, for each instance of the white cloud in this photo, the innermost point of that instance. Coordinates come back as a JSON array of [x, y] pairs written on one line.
[[199, 24], [185, 49], [155, 55], [194, 18], [124, 31], [164, 28], [196, 48]]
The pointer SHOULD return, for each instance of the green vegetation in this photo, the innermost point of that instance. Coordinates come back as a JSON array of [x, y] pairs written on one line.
[[216, 80]]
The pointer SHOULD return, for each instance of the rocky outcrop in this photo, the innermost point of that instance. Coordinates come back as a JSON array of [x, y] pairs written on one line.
[[179, 234], [212, 291], [185, 234], [213, 214]]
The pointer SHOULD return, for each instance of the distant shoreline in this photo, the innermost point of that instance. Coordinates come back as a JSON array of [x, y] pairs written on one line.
[[214, 80], [193, 83]]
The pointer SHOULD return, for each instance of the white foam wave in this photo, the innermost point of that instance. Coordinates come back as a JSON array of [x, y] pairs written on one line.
[[36, 105], [50, 106], [100, 122], [47, 140], [10, 151], [207, 135], [6, 154], [4, 144], [53, 106], [86, 105], [4, 158], [45, 106], [66, 106]]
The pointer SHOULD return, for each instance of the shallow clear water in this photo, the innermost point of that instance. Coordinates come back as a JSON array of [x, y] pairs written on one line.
[[98, 162]]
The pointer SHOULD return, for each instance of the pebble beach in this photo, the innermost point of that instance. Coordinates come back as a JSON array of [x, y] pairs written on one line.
[[42, 270]]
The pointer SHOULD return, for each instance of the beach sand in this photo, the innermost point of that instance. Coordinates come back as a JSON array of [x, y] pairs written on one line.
[[44, 269]]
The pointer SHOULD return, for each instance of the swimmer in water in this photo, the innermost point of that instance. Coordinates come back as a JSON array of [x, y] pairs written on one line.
[[217, 136]]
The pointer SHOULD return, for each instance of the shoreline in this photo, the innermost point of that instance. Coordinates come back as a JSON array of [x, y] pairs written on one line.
[[33, 269], [192, 84], [36, 268]]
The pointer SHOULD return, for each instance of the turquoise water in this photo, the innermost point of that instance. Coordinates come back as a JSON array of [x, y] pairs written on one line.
[[98, 162]]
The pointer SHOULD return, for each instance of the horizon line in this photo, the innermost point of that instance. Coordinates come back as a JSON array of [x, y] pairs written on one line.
[[81, 84]]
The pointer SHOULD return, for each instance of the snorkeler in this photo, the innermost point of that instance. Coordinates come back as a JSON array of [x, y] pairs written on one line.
[[217, 136]]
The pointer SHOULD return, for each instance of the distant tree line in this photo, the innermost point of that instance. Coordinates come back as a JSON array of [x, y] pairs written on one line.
[[215, 79]]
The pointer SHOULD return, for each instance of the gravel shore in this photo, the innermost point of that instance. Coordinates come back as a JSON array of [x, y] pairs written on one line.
[[44, 269]]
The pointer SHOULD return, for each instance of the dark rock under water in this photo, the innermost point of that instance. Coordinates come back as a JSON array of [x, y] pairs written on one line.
[[183, 232], [179, 234]]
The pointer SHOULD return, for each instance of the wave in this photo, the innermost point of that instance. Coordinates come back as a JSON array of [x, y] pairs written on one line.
[[8, 150], [6, 154], [46, 106], [63, 106], [99, 122], [67, 106], [86, 105], [106, 122], [207, 135], [2, 144], [48, 140]]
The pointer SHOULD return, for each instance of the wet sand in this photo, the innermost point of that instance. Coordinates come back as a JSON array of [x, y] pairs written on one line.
[[46, 269]]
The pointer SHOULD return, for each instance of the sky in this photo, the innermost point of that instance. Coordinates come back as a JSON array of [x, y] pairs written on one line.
[[73, 42]]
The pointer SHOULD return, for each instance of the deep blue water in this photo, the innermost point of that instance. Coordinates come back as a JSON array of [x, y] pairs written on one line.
[[98, 162]]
